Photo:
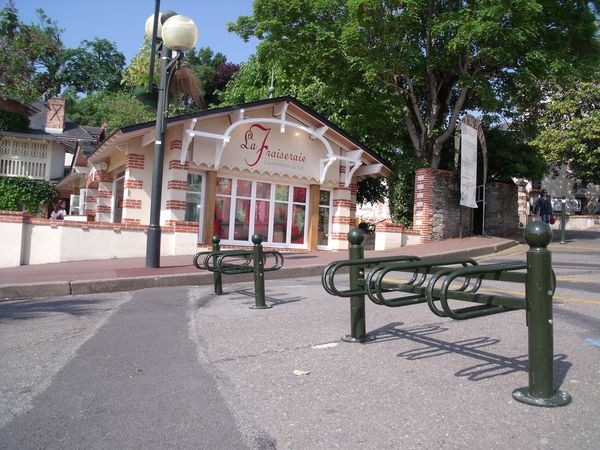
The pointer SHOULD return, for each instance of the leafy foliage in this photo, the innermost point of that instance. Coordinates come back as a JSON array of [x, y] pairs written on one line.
[[116, 109], [570, 127], [20, 193], [95, 65], [437, 58], [212, 70], [503, 146], [35, 64], [10, 121], [29, 55]]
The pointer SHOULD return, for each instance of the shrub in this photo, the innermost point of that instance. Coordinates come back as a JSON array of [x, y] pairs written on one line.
[[10, 121], [25, 194]]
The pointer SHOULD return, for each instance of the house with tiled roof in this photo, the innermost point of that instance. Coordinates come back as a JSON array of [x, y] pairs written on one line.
[[47, 147]]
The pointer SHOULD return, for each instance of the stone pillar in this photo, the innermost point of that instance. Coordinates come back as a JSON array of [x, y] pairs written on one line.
[[523, 203]]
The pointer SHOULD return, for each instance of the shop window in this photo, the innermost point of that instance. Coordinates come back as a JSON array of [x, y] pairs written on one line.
[[241, 231], [193, 198], [280, 215], [276, 211], [324, 218], [222, 208], [262, 209], [298, 215]]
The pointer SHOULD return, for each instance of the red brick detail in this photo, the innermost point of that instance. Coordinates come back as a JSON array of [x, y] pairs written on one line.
[[174, 164], [424, 181], [177, 185], [90, 199], [15, 216], [176, 204], [341, 187], [133, 184], [345, 220], [176, 144], [131, 221], [339, 203], [337, 236], [389, 227], [131, 203], [134, 161], [104, 193], [182, 226], [353, 189], [103, 209], [342, 168], [100, 176]]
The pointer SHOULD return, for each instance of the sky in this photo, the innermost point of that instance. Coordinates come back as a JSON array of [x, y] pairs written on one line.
[[122, 22]]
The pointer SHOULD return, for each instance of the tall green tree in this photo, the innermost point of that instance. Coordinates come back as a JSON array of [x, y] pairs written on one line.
[[30, 55], [570, 129], [95, 65], [213, 70], [437, 58]]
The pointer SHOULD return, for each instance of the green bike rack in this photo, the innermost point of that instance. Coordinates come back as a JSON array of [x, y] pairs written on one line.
[[434, 280], [233, 262]]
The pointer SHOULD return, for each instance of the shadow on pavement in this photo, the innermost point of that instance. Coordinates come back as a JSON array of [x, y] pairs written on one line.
[[493, 365], [30, 309], [279, 300]]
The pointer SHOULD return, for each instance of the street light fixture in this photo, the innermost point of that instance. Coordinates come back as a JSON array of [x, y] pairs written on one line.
[[171, 36]]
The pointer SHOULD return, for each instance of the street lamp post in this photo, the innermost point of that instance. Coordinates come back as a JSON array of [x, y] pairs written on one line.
[[171, 35]]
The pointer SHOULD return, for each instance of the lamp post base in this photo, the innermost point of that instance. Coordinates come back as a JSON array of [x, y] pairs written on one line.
[[153, 247], [560, 398], [359, 340]]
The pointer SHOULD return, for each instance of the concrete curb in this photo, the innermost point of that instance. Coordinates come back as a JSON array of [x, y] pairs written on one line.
[[79, 287]]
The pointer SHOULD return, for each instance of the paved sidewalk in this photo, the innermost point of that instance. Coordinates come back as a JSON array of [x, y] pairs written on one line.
[[127, 274]]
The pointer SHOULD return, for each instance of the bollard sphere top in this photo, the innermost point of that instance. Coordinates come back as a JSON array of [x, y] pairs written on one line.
[[257, 238], [356, 236], [538, 234], [216, 239]]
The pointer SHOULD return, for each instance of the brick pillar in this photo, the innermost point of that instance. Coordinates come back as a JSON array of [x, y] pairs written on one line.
[[134, 195], [103, 202], [423, 209], [342, 217], [91, 203], [176, 185]]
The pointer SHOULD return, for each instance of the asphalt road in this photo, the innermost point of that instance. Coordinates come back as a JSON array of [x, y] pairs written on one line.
[[181, 368]]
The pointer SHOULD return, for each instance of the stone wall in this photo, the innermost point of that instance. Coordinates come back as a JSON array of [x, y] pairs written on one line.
[[437, 213], [502, 213], [445, 220]]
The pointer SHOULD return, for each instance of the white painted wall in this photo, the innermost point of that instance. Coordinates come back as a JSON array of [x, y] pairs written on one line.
[[11, 236], [43, 244], [387, 241]]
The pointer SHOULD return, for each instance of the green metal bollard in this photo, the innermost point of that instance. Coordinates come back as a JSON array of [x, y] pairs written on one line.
[[563, 220], [358, 333], [538, 293], [259, 273], [217, 276]]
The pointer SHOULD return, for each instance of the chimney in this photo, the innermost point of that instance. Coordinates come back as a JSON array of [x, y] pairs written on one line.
[[55, 120]]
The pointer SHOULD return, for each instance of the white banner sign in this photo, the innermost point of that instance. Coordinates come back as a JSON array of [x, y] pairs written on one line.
[[468, 165]]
